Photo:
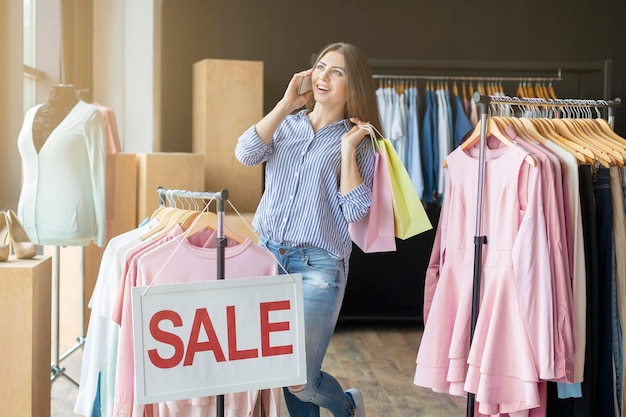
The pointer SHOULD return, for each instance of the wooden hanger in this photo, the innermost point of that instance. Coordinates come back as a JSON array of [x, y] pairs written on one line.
[[592, 133], [167, 223], [203, 220], [520, 128], [188, 218], [551, 92], [481, 88], [547, 129], [520, 90], [501, 122], [578, 133], [169, 217], [492, 129], [534, 131], [465, 96], [601, 129], [599, 154]]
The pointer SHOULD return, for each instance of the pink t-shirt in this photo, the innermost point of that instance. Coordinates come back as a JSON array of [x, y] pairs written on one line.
[[179, 260]]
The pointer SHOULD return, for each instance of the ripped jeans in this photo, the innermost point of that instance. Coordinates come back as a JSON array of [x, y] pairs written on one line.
[[323, 285]]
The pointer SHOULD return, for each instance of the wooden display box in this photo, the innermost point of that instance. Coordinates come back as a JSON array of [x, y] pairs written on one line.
[[122, 212], [181, 171], [227, 100], [25, 346]]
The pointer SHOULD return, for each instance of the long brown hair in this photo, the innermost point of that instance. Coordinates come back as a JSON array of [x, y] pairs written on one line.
[[361, 101]]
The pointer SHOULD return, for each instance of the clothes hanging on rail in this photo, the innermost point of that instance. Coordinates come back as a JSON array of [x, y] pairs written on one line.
[[430, 156], [462, 123], [500, 355], [550, 311], [420, 135], [444, 129], [444, 117], [399, 107], [142, 257]]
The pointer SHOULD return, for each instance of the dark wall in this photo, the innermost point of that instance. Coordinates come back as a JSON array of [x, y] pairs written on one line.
[[284, 33]]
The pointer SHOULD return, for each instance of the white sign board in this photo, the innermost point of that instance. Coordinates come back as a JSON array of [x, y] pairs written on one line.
[[218, 337]]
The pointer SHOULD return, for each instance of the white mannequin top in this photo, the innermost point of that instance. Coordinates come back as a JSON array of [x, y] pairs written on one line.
[[62, 202]]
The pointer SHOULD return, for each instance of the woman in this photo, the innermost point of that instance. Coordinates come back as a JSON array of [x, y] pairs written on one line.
[[318, 178]]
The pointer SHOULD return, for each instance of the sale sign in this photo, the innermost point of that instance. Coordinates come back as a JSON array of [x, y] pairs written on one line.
[[218, 337]]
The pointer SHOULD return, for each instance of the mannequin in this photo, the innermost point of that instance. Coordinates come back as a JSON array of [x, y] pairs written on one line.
[[85, 95], [63, 150], [61, 99]]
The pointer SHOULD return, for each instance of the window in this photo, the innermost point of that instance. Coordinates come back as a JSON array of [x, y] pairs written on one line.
[[30, 64]]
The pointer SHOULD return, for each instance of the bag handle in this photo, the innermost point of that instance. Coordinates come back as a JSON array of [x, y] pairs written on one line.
[[371, 129]]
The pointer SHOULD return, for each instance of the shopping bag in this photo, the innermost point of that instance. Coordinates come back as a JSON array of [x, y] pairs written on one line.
[[409, 215], [375, 231]]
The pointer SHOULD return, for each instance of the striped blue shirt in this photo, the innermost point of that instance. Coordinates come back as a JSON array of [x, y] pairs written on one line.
[[302, 204]]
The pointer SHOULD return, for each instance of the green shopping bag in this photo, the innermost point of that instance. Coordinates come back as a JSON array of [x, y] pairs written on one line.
[[409, 215]]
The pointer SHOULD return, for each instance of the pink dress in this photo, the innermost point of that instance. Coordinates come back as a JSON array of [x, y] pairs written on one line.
[[513, 345], [112, 147]]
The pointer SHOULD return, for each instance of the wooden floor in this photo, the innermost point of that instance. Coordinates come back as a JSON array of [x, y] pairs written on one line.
[[378, 359]]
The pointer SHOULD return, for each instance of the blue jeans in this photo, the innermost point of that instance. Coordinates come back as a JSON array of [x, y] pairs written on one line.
[[605, 393], [323, 286]]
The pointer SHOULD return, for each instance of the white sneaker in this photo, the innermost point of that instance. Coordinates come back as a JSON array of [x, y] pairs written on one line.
[[357, 397]]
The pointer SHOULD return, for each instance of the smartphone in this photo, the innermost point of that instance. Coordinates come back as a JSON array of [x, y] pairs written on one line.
[[305, 85]]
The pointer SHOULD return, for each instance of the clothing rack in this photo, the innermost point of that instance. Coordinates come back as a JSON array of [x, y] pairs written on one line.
[[480, 240], [169, 196], [220, 197], [611, 105], [558, 77], [56, 370], [515, 70]]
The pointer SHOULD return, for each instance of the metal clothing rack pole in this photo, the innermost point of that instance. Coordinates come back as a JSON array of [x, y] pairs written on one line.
[[166, 195], [466, 78], [221, 246], [220, 197], [489, 68], [610, 105], [480, 240], [56, 370]]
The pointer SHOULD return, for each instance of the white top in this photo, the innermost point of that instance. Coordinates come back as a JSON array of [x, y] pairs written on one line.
[[579, 274], [62, 202], [101, 328]]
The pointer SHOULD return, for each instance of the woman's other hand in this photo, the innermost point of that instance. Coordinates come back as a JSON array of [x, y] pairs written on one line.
[[355, 135]]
